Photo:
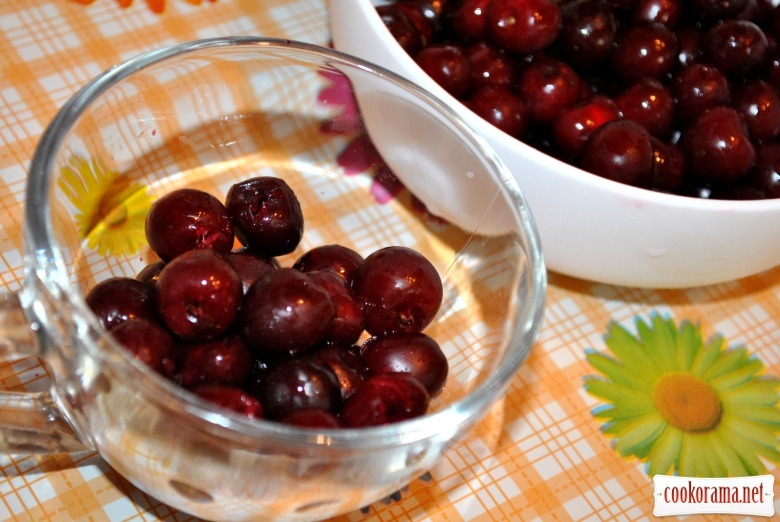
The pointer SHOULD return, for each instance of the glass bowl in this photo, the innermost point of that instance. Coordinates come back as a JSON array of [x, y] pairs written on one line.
[[209, 113]]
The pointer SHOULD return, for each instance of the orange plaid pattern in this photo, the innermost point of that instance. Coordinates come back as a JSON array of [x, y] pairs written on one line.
[[538, 455]]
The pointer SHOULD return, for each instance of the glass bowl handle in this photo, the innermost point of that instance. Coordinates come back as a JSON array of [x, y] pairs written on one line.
[[30, 422]]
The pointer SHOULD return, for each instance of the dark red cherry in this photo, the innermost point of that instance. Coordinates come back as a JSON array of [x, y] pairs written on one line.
[[524, 26], [715, 9], [448, 66], [759, 104], [250, 266], [668, 174], [400, 289], [312, 418], [502, 108], [298, 383], [620, 150], [467, 19], [736, 46], [334, 258], [645, 51], [150, 272], [198, 295], [649, 103], [346, 364], [588, 34], [385, 399], [188, 219], [121, 299], [223, 361], [422, 17], [231, 398], [666, 12], [149, 342], [572, 128], [547, 87], [690, 40], [349, 320], [491, 66], [698, 88], [285, 312], [415, 354], [717, 146], [766, 174], [401, 28], [267, 215]]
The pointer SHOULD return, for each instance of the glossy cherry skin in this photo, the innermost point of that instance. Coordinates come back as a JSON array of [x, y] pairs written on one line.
[[298, 383], [334, 258], [666, 12], [448, 66], [267, 215], [717, 146], [766, 173], [285, 312], [690, 50], [150, 272], [149, 342], [572, 128], [385, 399], [668, 173], [349, 321], [502, 108], [548, 86], [714, 9], [121, 299], [491, 66], [620, 150], [400, 289], [759, 104], [645, 51], [315, 418], [698, 88], [250, 266], [589, 33], [401, 28], [188, 219], [649, 103], [736, 46], [467, 19], [416, 354], [198, 295], [222, 361], [231, 398], [346, 364], [524, 26]]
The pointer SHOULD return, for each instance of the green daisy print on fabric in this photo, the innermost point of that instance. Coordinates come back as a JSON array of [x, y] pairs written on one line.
[[683, 404]]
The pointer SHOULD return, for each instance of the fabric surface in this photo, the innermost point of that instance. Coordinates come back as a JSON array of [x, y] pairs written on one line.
[[553, 449]]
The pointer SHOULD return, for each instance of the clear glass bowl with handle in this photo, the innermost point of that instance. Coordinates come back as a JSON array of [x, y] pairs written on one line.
[[209, 113]]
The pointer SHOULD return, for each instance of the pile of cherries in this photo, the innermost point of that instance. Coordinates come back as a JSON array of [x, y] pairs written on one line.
[[675, 96], [335, 340]]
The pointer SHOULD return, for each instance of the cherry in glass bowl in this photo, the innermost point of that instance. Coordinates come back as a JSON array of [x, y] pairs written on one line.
[[203, 116], [591, 227]]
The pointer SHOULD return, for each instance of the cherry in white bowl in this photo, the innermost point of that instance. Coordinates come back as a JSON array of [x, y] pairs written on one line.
[[591, 227]]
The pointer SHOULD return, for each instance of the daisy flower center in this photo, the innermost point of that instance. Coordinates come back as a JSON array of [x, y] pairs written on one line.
[[687, 402]]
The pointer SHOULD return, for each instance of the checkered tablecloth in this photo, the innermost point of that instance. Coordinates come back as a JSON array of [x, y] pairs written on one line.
[[549, 459]]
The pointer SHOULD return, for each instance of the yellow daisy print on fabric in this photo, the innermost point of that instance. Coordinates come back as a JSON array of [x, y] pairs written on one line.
[[684, 405], [111, 208]]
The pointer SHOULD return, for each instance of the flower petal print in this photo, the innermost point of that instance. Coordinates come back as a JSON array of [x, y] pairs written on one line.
[[156, 6], [682, 404], [111, 208], [360, 154]]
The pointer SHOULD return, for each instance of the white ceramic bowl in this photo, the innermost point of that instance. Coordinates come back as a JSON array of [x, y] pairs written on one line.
[[593, 228]]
